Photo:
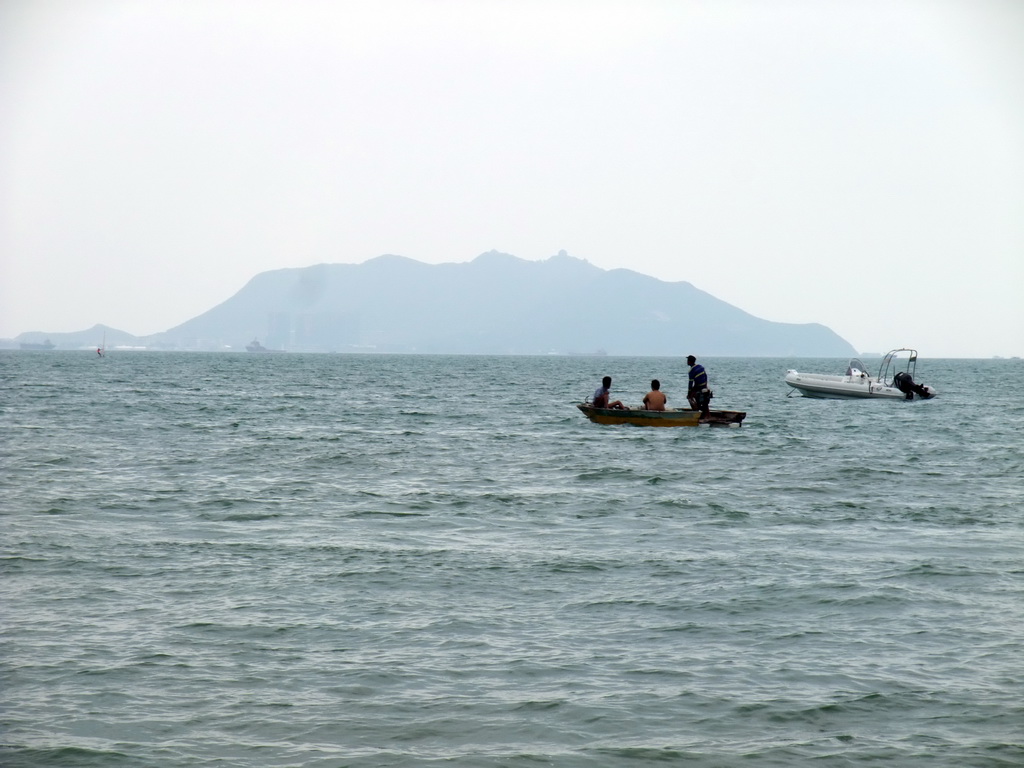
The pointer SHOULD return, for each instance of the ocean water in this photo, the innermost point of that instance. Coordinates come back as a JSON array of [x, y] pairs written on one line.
[[343, 560]]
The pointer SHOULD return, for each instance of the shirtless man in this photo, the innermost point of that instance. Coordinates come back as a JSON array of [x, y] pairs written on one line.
[[655, 399]]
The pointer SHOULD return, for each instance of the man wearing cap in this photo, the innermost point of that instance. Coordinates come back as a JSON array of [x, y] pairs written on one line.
[[697, 392]]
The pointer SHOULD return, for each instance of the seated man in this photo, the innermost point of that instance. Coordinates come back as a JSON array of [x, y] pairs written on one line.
[[601, 395], [655, 399]]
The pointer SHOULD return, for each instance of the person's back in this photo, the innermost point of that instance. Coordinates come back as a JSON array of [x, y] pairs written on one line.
[[655, 399], [698, 377]]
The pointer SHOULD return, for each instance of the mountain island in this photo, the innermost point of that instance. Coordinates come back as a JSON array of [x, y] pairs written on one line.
[[495, 304]]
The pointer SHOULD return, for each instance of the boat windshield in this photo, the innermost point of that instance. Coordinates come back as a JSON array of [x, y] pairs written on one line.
[[855, 365]]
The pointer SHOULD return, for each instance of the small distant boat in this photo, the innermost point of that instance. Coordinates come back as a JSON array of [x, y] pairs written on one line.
[[255, 346], [37, 345], [670, 417], [895, 380]]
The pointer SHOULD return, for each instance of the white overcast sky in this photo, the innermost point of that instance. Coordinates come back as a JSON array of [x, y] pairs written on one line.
[[856, 164]]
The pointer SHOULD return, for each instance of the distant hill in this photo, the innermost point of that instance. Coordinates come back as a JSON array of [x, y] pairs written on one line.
[[89, 339], [495, 304]]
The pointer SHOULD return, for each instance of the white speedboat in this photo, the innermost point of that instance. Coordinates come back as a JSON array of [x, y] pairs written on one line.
[[895, 380]]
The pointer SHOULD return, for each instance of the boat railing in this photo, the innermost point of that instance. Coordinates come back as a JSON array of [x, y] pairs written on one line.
[[892, 363]]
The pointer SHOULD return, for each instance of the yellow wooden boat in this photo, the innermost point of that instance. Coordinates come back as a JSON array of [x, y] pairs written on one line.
[[670, 417]]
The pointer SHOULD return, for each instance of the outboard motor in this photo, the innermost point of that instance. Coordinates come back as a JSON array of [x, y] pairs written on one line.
[[905, 383]]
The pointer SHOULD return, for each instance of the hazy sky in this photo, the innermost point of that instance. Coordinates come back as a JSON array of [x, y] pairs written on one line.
[[857, 164]]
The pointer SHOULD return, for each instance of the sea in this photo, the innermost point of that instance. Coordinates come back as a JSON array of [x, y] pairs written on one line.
[[233, 559]]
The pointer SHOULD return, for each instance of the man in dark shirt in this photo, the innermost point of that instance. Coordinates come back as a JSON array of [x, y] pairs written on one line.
[[601, 396], [697, 392]]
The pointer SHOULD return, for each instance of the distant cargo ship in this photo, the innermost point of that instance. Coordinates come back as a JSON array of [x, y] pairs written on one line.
[[257, 347]]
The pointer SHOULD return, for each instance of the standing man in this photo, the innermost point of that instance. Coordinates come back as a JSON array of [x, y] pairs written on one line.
[[697, 392]]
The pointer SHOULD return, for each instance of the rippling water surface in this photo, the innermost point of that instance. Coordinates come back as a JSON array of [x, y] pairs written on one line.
[[335, 560]]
